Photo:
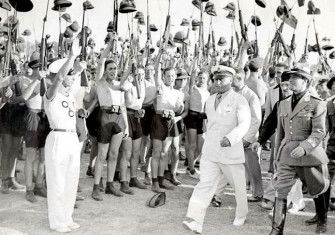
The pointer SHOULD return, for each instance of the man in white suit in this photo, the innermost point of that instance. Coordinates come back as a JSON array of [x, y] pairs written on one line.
[[223, 155]]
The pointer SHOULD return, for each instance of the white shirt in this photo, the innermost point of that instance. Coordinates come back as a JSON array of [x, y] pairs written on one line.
[[169, 99], [108, 94], [198, 98], [131, 96], [61, 111]]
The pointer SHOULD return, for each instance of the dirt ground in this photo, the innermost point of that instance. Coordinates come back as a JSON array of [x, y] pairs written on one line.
[[130, 215]]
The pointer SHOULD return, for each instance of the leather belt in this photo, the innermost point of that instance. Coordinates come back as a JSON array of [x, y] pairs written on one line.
[[36, 110], [64, 130], [112, 109]]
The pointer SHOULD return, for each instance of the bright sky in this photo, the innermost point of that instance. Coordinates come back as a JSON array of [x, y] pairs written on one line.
[[98, 18]]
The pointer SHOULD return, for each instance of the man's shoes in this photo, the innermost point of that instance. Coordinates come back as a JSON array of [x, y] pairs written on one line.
[[125, 188], [312, 221], [239, 221], [175, 181], [111, 190], [13, 184], [96, 194], [147, 179], [79, 198], [30, 196], [74, 226], [321, 226], [168, 175], [134, 182], [165, 185], [40, 191], [62, 229], [216, 202], [254, 199], [266, 204], [193, 173], [193, 226], [155, 188], [297, 207], [90, 171]]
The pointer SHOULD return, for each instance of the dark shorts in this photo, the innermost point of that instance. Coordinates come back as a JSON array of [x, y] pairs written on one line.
[[195, 120], [177, 129], [12, 119], [135, 128], [161, 128], [109, 124], [146, 121], [92, 122], [37, 129]]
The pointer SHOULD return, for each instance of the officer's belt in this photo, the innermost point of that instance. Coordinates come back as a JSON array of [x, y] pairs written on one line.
[[294, 138]]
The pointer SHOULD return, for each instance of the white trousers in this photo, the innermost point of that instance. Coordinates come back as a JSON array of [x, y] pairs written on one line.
[[62, 162], [211, 173]]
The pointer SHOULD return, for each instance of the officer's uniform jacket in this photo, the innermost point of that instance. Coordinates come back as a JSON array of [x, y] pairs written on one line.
[[305, 126]]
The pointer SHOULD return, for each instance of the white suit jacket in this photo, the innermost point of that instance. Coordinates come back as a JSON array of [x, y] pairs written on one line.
[[232, 120]]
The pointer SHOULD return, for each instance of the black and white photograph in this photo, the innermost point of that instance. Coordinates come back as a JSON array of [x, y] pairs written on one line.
[[160, 117]]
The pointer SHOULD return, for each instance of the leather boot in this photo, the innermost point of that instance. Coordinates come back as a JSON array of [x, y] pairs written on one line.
[[163, 183], [96, 195], [134, 182], [125, 188], [279, 215], [111, 190], [321, 210]]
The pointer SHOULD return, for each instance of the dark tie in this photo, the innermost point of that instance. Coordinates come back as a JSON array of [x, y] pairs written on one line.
[[217, 100]]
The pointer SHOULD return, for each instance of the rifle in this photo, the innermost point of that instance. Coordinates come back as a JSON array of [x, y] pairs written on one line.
[[83, 76], [242, 25], [148, 34], [323, 64], [43, 66]]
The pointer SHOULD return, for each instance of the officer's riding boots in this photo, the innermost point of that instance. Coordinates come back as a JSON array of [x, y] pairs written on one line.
[[279, 215]]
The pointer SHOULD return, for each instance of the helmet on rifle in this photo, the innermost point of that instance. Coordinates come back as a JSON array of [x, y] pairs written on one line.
[[139, 15], [210, 9], [26, 32], [34, 60], [67, 17], [222, 41], [231, 15], [127, 6], [61, 5], [74, 27], [261, 3], [87, 5], [21, 5], [110, 27], [255, 20], [230, 7], [197, 3], [185, 22], [153, 28], [180, 37]]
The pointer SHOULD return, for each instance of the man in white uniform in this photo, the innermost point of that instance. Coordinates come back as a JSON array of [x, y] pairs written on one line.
[[229, 117], [62, 149]]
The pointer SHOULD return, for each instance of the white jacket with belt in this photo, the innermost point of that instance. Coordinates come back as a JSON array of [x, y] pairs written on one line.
[[231, 119]]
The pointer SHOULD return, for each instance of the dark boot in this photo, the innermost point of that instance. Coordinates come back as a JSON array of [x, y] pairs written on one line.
[[111, 190], [279, 215], [321, 208], [155, 186], [30, 196], [134, 182], [89, 171], [125, 188], [40, 191], [164, 184], [312, 221], [96, 195]]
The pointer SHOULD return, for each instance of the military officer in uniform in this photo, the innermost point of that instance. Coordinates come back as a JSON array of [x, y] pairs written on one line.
[[300, 131]]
